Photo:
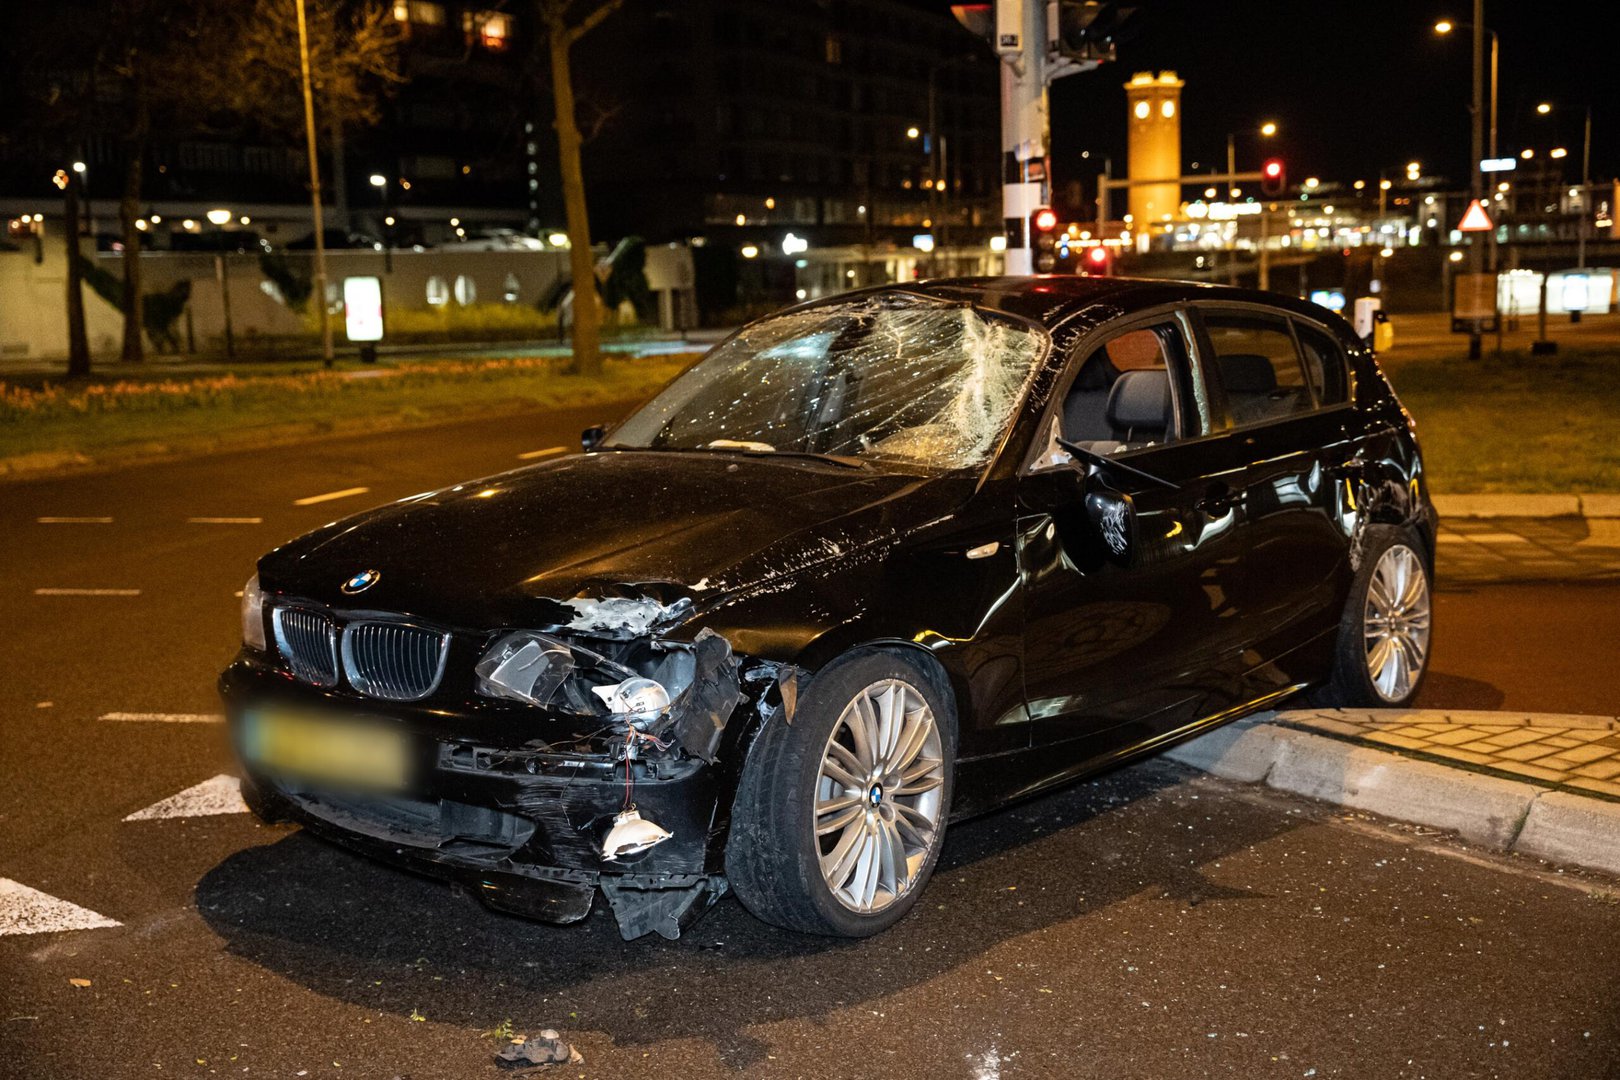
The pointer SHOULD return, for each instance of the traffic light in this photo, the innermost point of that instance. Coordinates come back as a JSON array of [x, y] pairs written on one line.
[[1086, 30], [1043, 225], [1273, 177], [1099, 261]]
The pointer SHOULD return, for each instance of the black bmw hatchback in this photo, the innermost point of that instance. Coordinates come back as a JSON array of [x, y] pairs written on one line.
[[872, 565]]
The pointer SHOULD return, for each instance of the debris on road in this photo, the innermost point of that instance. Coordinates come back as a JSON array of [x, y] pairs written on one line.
[[546, 1048], [78, 982]]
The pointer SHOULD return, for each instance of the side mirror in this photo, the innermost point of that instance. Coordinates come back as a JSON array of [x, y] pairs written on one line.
[[591, 437], [1112, 515]]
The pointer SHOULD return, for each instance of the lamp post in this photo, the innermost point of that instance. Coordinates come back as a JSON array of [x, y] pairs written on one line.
[[219, 219], [314, 188], [1476, 177], [1267, 130], [380, 182]]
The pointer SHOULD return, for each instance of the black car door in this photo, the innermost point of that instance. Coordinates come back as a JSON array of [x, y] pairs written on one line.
[[1121, 646], [1283, 387]]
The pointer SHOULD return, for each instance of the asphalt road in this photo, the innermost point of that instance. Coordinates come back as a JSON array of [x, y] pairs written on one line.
[[1150, 924]]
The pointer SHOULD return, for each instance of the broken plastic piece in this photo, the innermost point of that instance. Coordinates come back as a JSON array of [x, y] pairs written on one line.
[[665, 908], [704, 709], [629, 616], [524, 667], [634, 697], [631, 834], [546, 1048]]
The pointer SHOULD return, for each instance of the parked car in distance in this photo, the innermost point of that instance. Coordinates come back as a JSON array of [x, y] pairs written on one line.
[[875, 564]]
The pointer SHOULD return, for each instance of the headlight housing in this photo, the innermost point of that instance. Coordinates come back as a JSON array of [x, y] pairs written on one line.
[[524, 667], [253, 615], [637, 684]]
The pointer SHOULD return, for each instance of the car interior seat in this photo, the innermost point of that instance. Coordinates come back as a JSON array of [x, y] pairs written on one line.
[[1139, 409]]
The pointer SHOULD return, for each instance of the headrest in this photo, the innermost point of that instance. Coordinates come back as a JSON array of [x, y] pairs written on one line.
[[1247, 373], [1139, 401], [1135, 350]]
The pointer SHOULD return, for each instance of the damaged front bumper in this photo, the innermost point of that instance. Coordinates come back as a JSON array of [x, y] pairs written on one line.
[[487, 800]]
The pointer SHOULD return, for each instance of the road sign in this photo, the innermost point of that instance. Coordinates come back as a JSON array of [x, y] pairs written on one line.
[[1498, 164], [1475, 219], [1473, 303]]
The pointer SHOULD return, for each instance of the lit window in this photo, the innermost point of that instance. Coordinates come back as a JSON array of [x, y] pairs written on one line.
[[491, 29], [1142, 110], [438, 293], [425, 12], [1167, 109]]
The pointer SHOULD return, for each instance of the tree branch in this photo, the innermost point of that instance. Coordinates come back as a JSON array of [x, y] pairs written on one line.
[[591, 21]]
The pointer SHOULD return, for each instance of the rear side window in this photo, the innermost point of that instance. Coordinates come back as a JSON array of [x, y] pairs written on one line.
[[1324, 365], [1258, 365]]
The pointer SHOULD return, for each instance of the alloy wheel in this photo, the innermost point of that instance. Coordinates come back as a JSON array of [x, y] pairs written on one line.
[[879, 796], [1396, 623]]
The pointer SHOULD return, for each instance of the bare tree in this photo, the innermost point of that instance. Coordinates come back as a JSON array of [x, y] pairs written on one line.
[[353, 63], [566, 21]]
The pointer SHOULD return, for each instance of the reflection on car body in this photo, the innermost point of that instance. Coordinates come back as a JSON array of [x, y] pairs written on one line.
[[873, 564]]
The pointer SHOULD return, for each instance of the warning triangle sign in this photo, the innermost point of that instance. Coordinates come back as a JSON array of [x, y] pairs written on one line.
[[1475, 219]]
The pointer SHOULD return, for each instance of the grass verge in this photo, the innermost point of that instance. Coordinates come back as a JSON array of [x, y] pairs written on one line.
[[1518, 424], [62, 425]]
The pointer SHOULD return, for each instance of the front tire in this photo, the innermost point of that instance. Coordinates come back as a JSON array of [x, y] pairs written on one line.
[[1384, 638], [840, 814]]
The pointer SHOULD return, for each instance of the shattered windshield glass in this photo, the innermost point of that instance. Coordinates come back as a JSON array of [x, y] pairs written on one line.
[[896, 376]]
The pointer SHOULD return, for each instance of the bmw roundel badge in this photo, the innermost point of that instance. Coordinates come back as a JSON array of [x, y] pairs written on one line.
[[362, 581]]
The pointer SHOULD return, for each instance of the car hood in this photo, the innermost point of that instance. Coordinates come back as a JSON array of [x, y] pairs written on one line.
[[684, 530]]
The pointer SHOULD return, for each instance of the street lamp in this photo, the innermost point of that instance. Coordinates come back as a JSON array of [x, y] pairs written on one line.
[[1267, 129], [219, 218], [1544, 108], [1476, 110], [380, 182]]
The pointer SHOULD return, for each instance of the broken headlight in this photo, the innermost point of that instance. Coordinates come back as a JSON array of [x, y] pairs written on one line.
[[253, 614], [636, 683], [524, 667]]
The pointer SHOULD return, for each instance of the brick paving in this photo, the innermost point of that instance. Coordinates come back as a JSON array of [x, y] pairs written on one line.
[[1477, 551], [1580, 754]]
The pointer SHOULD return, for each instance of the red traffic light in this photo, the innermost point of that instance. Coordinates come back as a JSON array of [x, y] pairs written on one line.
[[1273, 177], [1045, 219]]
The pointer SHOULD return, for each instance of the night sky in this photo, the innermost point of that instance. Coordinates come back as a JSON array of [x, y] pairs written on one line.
[[1354, 87]]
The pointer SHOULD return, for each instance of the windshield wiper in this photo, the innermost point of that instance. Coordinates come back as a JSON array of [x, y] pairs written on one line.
[[1103, 461]]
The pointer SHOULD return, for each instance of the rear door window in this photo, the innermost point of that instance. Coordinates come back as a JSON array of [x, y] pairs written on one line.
[[1325, 366], [1258, 365]]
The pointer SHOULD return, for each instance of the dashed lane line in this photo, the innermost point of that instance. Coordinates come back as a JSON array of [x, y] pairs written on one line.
[[220, 795], [24, 910], [550, 451], [330, 495], [87, 592], [74, 520], [165, 717], [225, 521]]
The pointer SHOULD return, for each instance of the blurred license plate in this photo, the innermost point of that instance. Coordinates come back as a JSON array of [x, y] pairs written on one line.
[[314, 747]]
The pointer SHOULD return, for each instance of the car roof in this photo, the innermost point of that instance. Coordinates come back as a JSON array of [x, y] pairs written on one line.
[[1055, 298]]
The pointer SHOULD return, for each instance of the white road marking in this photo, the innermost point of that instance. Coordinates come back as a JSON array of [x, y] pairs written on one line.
[[221, 795], [29, 911], [166, 717], [549, 451], [74, 520], [87, 592], [225, 521], [330, 495]]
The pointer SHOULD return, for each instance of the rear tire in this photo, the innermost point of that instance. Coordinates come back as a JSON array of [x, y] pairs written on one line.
[[840, 814], [1384, 643]]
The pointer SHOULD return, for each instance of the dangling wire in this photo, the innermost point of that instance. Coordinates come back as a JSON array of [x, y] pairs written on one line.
[[631, 736]]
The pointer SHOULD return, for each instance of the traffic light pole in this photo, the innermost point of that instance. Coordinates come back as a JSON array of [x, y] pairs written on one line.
[[1025, 132]]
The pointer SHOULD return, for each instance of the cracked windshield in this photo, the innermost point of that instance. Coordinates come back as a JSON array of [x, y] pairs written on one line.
[[922, 382]]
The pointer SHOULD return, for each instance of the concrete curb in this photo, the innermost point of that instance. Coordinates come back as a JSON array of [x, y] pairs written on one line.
[[1501, 814], [1600, 505]]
